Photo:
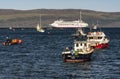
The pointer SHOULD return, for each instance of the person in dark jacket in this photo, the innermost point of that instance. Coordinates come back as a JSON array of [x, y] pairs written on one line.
[[8, 41]]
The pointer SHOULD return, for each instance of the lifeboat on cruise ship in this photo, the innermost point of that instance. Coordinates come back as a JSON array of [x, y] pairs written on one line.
[[12, 42]]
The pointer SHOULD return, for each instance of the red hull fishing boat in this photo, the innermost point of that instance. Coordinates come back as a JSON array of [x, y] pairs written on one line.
[[97, 39]]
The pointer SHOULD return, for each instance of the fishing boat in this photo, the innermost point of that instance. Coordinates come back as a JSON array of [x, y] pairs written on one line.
[[39, 27], [81, 52], [97, 39]]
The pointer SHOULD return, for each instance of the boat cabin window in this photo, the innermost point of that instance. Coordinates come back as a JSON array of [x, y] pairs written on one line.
[[81, 44], [99, 37], [90, 37], [85, 44], [77, 44]]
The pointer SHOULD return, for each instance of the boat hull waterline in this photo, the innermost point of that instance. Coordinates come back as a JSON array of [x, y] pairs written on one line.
[[101, 46]]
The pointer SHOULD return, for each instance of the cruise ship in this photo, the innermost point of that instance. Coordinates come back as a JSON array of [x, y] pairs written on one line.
[[69, 24]]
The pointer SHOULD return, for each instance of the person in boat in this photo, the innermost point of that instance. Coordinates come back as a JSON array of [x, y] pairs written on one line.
[[68, 48], [7, 41], [12, 41]]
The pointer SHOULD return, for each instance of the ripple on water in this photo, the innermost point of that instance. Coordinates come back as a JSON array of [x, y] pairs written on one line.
[[39, 57]]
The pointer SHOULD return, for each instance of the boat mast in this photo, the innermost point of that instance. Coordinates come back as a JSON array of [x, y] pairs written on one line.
[[80, 20], [40, 20], [98, 25], [80, 30]]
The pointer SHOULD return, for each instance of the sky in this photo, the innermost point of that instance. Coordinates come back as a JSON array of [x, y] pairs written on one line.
[[97, 5]]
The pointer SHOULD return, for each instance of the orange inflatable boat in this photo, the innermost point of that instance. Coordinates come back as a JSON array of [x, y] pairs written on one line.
[[12, 42]]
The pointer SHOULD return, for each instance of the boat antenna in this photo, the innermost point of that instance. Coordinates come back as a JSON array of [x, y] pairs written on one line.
[[92, 25], [80, 16], [98, 25]]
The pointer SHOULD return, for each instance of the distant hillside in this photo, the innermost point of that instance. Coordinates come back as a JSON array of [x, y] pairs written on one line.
[[29, 18]]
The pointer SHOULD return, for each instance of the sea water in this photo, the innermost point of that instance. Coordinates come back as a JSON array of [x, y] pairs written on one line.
[[39, 56]]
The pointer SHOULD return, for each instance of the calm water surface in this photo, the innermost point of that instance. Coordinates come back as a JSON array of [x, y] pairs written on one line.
[[39, 57]]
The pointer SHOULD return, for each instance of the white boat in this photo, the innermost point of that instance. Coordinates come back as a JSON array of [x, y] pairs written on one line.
[[82, 52], [39, 27], [10, 28], [97, 39], [78, 33], [69, 24]]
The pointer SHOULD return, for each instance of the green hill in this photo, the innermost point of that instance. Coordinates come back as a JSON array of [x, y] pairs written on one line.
[[29, 18]]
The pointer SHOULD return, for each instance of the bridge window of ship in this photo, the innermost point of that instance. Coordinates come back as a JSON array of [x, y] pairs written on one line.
[[99, 37], [81, 44], [90, 37], [77, 45]]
